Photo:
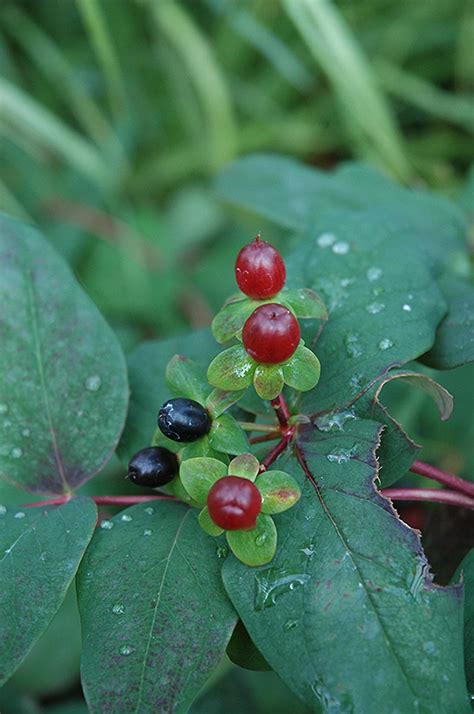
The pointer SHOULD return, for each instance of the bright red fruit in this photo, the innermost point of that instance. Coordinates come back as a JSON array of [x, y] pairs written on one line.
[[260, 270], [271, 334], [234, 503]]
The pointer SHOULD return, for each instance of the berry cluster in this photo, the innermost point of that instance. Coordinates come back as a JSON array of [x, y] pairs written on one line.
[[188, 457]]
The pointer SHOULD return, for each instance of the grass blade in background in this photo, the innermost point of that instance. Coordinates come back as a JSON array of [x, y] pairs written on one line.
[[366, 114], [29, 117], [196, 54], [101, 41]]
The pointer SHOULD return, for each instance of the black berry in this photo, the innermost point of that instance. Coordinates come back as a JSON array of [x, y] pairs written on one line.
[[183, 420], [152, 467]]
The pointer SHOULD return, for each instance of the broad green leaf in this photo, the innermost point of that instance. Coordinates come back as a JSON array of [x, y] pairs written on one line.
[[302, 370], [219, 400], [175, 488], [245, 466], [305, 303], [53, 663], [155, 617], [42, 548], [465, 572], [257, 546], [242, 651], [227, 436], [231, 369], [159, 439], [198, 475], [64, 387], [454, 344], [202, 447], [279, 491], [185, 378], [268, 380], [207, 524], [148, 385], [347, 564], [384, 303]]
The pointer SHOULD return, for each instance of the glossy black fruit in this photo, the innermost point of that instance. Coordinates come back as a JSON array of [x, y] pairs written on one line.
[[183, 420], [152, 467]]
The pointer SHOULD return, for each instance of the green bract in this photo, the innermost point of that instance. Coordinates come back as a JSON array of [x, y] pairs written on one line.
[[234, 369], [278, 489]]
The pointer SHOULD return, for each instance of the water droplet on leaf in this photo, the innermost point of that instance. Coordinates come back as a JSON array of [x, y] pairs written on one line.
[[375, 307], [20, 514], [93, 383], [385, 344], [353, 348], [126, 518], [3, 510], [222, 551], [290, 625], [326, 239], [334, 421], [374, 274], [147, 532], [406, 307], [107, 525], [261, 539], [149, 510], [118, 609], [126, 650], [16, 453], [275, 582], [341, 248]]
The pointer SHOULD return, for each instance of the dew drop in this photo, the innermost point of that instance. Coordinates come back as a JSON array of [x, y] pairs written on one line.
[[149, 510], [107, 525], [43, 557], [272, 583], [118, 609], [385, 344], [3, 510], [429, 647], [406, 307], [340, 456], [353, 348], [261, 539], [20, 514], [16, 453], [355, 383], [290, 625], [326, 239], [375, 307], [374, 274], [126, 518], [126, 650], [7, 423], [26, 432], [341, 248], [93, 383], [308, 551], [334, 421], [222, 551], [147, 532], [3, 408]]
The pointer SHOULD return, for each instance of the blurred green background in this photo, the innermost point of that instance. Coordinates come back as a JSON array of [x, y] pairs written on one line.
[[115, 115]]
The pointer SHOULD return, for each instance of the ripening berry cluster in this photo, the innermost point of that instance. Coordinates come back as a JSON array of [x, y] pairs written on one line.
[[271, 334], [234, 503]]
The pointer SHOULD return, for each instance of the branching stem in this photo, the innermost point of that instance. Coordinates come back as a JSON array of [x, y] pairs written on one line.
[[429, 494], [447, 479]]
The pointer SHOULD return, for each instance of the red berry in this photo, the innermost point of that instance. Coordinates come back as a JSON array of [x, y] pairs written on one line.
[[234, 503], [260, 270], [271, 334]]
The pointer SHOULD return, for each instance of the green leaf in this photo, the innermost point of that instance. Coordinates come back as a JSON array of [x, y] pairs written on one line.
[[305, 303], [201, 447], [465, 572], [279, 491], [64, 392], [53, 663], [155, 617], [231, 318], [207, 524], [302, 371], [268, 380], [199, 475], [454, 344], [148, 386], [42, 548], [175, 488], [232, 369], [245, 466], [159, 439], [219, 400], [257, 546], [227, 436], [347, 564], [187, 379]]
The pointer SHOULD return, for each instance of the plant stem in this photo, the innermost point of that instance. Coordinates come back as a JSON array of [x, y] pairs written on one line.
[[454, 482], [103, 500], [429, 494], [251, 426], [268, 437], [281, 410], [276, 451]]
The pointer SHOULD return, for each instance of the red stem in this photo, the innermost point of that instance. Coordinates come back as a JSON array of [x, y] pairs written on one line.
[[103, 500], [281, 410], [458, 484], [276, 451], [429, 494]]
